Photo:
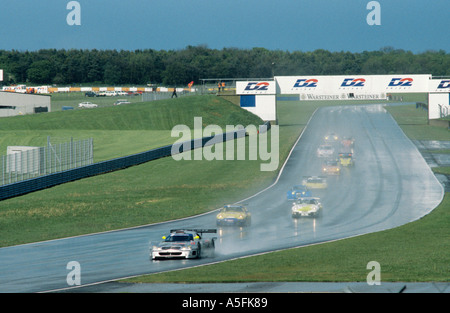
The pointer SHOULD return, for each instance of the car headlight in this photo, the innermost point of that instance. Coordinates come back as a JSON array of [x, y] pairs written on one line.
[[186, 248], [220, 216]]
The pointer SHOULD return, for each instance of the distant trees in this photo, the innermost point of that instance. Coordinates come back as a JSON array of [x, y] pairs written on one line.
[[179, 67]]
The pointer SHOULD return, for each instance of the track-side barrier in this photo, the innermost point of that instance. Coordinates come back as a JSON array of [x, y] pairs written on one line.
[[50, 180]]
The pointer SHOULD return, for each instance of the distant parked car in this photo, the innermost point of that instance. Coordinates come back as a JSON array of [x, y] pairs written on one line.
[[88, 105], [90, 94]]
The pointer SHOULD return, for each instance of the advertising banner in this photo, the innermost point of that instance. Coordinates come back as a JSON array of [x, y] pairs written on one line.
[[343, 87], [255, 88], [439, 85]]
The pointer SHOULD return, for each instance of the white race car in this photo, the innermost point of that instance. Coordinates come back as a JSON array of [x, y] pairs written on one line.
[[309, 206], [325, 151], [183, 243]]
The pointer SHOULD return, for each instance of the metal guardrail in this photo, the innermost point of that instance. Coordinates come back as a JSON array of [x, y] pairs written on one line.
[[50, 180]]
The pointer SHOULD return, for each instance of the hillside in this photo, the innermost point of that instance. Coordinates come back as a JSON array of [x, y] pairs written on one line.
[[121, 130], [155, 115]]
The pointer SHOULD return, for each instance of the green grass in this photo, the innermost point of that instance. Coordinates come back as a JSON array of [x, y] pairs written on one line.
[[107, 143], [73, 98], [414, 123], [121, 130], [154, 115]]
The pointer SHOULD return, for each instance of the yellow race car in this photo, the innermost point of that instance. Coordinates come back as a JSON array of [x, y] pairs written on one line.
[[346, 159], [315, 182], [233, 215], [331, 167]]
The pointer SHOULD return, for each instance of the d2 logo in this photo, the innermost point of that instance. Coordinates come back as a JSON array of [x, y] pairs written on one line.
[[353, 82], [257, 86], [307, 83], [401, 82], [444, 84]]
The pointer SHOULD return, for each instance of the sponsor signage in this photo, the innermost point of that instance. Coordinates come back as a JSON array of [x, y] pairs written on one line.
[[255, 88], [306, 83], [354, 87], [439, 85], [258, 97], [343, 96], [353, 82]]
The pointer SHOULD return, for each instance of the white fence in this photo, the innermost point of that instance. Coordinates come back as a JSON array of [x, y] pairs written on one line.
[[23, 162]]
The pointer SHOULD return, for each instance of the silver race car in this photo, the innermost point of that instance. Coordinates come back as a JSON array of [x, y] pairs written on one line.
[[184, 243], [308, 206]]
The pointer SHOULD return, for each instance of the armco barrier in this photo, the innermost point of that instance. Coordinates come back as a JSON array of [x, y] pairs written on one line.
[[43, 182]]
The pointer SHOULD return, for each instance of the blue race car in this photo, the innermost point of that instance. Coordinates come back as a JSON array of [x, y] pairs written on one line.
[[298, 191]]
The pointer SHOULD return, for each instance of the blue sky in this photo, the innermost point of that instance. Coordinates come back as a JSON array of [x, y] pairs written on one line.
[[292, 25]]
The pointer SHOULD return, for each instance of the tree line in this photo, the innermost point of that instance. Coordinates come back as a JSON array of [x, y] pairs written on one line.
[[179, 67]]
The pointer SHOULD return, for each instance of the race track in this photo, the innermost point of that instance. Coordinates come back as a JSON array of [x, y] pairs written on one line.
[[390, 185]]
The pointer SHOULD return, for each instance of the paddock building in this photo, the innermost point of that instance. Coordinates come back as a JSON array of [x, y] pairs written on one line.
[[12, 103]]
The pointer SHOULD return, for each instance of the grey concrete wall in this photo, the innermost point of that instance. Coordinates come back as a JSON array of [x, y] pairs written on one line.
[[20, 104]]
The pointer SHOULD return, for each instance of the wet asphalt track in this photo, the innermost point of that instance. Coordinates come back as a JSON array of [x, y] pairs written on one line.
[[390, 185]]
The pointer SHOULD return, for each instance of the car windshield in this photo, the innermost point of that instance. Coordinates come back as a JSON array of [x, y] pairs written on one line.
[[306, 201], [181, 237], [232, 209]]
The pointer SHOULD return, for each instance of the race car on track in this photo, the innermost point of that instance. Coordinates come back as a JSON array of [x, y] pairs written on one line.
[[347, 142], [346, 159], [331, 137], [325, 151], [298, 191], [184, 243], [331, 167], [315, 182], [234, 215], [306, 207]]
